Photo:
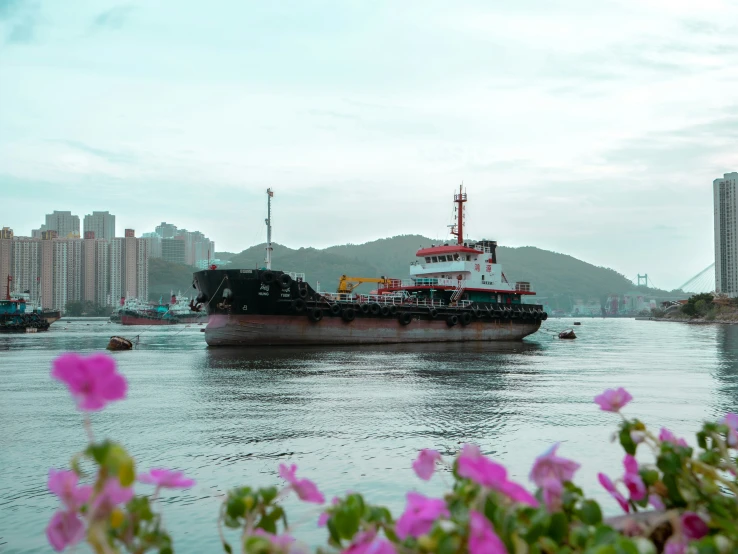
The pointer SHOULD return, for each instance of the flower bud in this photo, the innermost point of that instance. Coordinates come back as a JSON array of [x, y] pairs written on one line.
[[723, 544], [116, 518], [427, 543]]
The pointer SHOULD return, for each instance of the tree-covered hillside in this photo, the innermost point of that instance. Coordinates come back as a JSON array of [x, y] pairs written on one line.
[[550, 273]]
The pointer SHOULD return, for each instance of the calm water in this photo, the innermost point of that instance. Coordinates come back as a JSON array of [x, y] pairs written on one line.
[[351, 418]]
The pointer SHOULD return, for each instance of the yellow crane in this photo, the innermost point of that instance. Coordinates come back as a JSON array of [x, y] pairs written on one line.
[[348, 284]]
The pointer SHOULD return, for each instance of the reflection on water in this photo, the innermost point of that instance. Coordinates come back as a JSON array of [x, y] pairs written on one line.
[[351, 417]]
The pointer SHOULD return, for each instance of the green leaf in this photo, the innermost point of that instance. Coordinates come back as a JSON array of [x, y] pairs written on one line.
[[448, 545], [235, 507], [268, 494], [227, 548], [590, 513], [98, 451], [649, 476], [604, 534], [669, 462], [347, 522], [539, 525], [559, 528], [702, 440], [627, 441]]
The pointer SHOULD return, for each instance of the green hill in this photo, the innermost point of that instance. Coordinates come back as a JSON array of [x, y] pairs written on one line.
[[555, 276], [551, 274], [165, 277]]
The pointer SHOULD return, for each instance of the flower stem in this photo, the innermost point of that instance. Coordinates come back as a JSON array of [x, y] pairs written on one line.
[[88, 428]]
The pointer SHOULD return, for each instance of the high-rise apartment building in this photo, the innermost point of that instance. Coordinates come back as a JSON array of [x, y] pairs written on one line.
[[166, 230], [116, 263], [6, 249], [100, 223], [26, 270], [102, 274], [725, 199], [173, 250], [65, 224], [89, 267]]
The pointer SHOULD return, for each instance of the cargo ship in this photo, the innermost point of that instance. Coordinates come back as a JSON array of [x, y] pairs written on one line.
[[455, 292]]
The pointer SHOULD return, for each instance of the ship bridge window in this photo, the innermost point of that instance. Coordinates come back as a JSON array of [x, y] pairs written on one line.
[[427, 259], [468, 258], [456, 257], [434, 259], [441, 258]]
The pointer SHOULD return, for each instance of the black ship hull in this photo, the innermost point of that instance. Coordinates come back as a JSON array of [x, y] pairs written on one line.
[[250, 307]]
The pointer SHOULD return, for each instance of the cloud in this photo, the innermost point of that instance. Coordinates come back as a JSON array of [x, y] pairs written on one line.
[[113, 18], [113, 157], [21, 18]]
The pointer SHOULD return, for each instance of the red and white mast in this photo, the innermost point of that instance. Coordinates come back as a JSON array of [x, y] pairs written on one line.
[[458, 228]]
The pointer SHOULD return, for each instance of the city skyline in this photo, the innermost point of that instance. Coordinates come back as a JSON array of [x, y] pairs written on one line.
[[558, 117]]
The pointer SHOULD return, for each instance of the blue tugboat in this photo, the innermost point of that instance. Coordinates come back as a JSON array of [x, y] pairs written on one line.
[[15, 319]]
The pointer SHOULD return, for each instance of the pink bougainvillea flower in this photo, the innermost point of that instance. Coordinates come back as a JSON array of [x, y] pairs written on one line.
[[516, 493], [610, 487], [92, 380], [731, 420], [473, 465], [655, 501], [65, 529], [367, 542], [632, 479], [612, 400], [482, 536], [166, 479], [425, 464], [64, 485], [420, 514], [280, 541], [550, 472], [693, 526], [110, 496], [675, 545], [306, 490], [480, 469], [667, 436], [549, 465]]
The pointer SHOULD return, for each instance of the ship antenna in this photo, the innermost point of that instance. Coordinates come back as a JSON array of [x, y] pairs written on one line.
[[268, 221], [458, 228]]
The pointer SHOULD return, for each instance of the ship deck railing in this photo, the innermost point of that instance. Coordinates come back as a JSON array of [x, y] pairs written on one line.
[[390, 299], [299, 277], [422, 282]]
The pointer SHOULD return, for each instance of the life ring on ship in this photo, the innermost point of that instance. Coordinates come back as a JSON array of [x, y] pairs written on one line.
[[302, 292], [364, 308], [405, 318], [385, 311], [393, 310], [433, 313], [335, 309], [375, 309], [348, 315], [298, 305], [285, 280], [316, 314], [452, 320], [267, 277], [466, 318]]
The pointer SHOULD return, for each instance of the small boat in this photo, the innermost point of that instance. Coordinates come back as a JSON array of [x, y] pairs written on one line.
[[119, 343], [577, 323], [568, 334]]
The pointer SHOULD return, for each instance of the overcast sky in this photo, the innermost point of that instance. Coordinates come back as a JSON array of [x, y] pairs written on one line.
[[589, 128]]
